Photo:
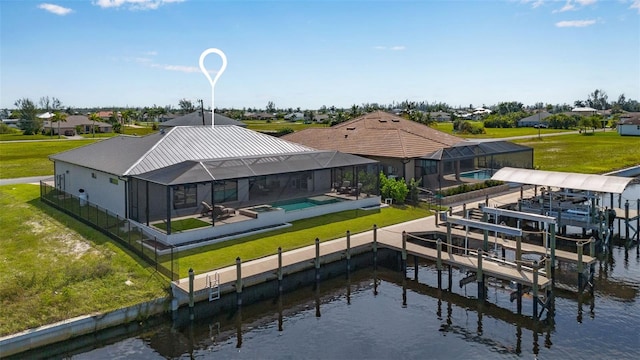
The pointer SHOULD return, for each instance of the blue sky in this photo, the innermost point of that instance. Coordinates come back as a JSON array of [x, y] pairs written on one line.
[[312, 53]]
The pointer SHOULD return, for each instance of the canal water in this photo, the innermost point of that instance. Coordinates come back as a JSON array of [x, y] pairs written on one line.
[[385, 314]]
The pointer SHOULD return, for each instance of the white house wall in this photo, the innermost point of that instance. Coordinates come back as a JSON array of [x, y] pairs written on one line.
[[102, 189], [629, 129]]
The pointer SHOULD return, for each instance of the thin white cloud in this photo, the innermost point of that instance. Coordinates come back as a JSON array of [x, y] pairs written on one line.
[[392, 48], [534, 3], [635, 4], [575, 23], [571, 5], [134, 4], [180, 68], [55, 9]]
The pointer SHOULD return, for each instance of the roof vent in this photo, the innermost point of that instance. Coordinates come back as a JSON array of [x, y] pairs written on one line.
[[395, 120], [382, 120], [351, 128]]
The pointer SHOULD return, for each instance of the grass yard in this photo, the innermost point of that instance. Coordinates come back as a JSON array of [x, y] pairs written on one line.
[[183, 225], [21, 159], [274, 126], [447, 127], [594, 153], [54, 267], [302, 233]]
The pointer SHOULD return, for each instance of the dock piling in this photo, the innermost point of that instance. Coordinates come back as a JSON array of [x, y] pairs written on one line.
[[348, 254], [580, 266], [279, 270], [404, 252], [480, 277], [317, 260], [238, 282], [191, 279], [626, 219], [375, 246], [439, 263], [535, 290]]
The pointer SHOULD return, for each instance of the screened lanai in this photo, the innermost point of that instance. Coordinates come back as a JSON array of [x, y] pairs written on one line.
[[179, 190], [470, 161]]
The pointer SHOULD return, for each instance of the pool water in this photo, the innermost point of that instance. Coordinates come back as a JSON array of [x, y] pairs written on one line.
[[302, 203], [482, 174]]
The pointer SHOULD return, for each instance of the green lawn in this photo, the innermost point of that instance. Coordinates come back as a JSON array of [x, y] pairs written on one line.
[[21, 159], [274, 126], [496, 132], [183, 225], [594, 153], [54, 267]]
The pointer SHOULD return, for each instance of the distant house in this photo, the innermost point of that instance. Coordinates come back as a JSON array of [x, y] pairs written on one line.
[[584, 111], [294, 116], [196, 119], [259, 116], [629, 124], [76, 124], [320, 118], [440, 116], [534, 120]]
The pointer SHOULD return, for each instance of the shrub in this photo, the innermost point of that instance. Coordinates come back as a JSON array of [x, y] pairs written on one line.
[[394, 189], [464, 188]]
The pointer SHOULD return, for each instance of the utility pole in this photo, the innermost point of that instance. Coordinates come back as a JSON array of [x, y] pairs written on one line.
[[202, 110]]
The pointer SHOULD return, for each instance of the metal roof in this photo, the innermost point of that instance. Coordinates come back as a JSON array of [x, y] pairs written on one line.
[[575, 181], [127, 155], [190, 172]]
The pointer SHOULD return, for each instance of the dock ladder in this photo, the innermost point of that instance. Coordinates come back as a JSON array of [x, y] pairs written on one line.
[[213, 283]]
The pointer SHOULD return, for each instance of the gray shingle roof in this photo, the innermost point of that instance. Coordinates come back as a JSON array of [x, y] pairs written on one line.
[[195, 119], [127, 155]]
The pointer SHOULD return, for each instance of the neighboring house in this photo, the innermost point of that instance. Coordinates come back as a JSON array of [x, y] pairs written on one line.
[[259, 116], [409, 150], [321, 118], [440, 116], [76, 124], [12, 123], [534, 120], [584, 111], [294, 116], [183, 171], [197, 119], [629, 124]]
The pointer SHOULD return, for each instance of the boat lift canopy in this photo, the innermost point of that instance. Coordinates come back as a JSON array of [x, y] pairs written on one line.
[[575, 181]]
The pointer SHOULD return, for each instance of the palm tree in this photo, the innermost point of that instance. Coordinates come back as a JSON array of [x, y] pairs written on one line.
[[94, 117], [59, 117]]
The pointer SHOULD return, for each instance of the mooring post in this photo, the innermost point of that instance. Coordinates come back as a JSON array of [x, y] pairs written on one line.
[[317, 260], [638, 224], [348, 252], [480, 277], [415, 267], [404, 252], [464, 211], [191, 302], [580, 268], [449, 238], [521, 192], [238, 282], [519, 299], [486, 200], [626, 219], [279, 270], [535, 290], [439, 263], [485, 233], [518, 253], [375, 246], [552, 235]]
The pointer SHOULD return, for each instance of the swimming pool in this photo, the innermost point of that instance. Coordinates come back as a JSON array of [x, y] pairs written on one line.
[[481, 174], [302, 203]]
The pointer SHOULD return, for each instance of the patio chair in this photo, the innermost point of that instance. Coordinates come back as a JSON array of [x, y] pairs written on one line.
[[206, 209], [222, 212], [346, 187], [356, 190]]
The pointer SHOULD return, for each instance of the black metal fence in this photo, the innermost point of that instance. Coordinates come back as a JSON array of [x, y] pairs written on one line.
[[158, 255]]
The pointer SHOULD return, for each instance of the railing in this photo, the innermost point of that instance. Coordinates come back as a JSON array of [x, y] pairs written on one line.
[[162, 257]]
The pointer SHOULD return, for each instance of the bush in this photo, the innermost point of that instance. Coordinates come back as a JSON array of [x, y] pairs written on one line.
[[464, 188], [392, 188]]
